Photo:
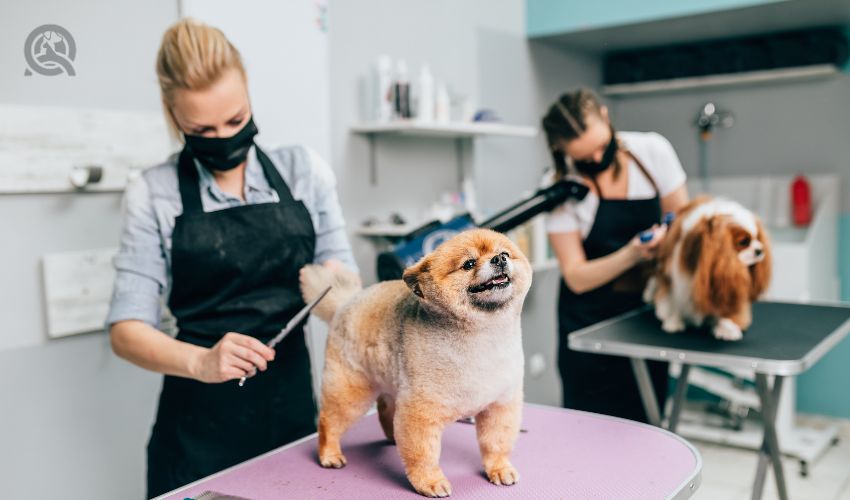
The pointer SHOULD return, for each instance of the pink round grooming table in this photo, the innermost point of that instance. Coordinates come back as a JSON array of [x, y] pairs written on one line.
[[564, 454]]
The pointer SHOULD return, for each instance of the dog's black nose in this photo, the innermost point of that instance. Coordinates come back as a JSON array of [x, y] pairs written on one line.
[[500, 260], [759, 251]]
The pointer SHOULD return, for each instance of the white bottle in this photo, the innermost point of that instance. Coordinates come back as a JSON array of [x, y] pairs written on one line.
[[401, 92], [383, 88], [443, 104], [425, 108]]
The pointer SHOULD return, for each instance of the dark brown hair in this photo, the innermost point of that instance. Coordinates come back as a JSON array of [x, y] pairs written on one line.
[[566, 119]]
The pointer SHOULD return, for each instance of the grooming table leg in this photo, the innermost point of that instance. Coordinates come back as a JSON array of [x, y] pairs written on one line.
[[647, 393], [770, 443], [679, 397]]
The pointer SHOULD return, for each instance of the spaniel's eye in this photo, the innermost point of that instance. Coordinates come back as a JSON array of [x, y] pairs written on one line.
[[744, 242], [469, 264]]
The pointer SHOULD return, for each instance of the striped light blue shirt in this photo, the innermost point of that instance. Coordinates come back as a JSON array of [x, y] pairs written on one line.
[[152, 202]]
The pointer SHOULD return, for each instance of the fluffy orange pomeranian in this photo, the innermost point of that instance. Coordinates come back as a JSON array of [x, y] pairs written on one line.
[[441, 344]]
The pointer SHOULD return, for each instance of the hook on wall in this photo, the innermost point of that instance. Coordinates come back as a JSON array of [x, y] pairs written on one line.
[[84, 176]]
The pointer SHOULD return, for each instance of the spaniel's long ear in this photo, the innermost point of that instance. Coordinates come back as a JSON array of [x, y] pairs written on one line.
[[669, 243], [413, 276], [720, 281], [762, 270], [698, 251], [691, 239]]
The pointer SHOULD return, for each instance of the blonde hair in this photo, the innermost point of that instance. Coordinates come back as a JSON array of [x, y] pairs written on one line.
[[192, 56]]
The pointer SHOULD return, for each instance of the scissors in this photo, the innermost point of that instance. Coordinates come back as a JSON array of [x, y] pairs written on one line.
[[292, 324]]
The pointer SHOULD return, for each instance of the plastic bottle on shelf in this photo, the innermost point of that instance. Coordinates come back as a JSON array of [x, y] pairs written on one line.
[[801, 201], [383, 88], [442, 112], [401, 91], [425, 108]]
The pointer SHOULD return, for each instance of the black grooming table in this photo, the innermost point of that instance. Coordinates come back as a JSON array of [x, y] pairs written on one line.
[[785, 339]]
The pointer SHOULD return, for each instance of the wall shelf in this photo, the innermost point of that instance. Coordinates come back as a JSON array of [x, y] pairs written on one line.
[[458, 130], [725, 80], [386, 230]]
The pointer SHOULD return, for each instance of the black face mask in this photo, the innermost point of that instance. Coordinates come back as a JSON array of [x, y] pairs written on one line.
[[223, 153], [591, 167]]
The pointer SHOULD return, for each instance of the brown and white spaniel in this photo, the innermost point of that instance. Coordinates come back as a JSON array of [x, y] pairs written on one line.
[[713, 263]]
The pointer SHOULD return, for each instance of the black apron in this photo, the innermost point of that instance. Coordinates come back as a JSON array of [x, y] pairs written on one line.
[[601, 383], [234, 270]]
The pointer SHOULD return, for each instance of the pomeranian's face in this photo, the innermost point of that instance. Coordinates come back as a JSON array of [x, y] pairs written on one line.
[[475, 270]]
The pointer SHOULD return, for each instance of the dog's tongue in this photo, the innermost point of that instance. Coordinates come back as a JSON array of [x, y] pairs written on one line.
[[499, 280]]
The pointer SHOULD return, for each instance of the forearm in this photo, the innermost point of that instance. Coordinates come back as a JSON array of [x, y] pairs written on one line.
[[591, 274], [149, 348]]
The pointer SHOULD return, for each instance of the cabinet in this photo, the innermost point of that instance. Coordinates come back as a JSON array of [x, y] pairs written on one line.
[[550, 17], [611, 25]]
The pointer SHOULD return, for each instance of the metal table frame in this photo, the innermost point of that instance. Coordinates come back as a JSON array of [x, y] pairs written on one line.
[[581, 340]]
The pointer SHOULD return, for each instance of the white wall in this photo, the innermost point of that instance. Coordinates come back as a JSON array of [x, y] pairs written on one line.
[[74, 418]]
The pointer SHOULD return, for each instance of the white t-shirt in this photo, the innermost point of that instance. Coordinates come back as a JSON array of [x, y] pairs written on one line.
[[658, 157]]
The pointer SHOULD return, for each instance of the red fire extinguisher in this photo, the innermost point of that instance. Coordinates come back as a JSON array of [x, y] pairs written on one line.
[[801, 201]]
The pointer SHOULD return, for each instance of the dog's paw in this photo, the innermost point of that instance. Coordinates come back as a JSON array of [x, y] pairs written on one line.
[[434, 487], [505, 475], [649, 291], [726, 329], [673, 324], [663, 309], [336, 461]]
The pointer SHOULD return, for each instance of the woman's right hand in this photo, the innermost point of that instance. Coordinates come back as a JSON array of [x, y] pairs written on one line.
[[644, 251], [234, 356]]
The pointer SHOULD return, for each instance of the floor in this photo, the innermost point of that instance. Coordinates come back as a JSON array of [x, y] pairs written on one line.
[[728, 472]]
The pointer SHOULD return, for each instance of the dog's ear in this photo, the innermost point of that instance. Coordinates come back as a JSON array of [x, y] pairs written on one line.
[[669, 243], [413, 274], [696, 246], [761, 271], [720, 281]]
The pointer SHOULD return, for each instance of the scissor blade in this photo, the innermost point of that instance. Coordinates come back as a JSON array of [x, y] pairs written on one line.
[[298, 317]]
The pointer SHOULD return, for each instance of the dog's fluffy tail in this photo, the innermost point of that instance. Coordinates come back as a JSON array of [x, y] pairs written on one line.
[[315, 278]]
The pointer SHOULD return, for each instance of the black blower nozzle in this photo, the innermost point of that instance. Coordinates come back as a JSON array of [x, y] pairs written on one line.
[[391, 264], [544, 200]]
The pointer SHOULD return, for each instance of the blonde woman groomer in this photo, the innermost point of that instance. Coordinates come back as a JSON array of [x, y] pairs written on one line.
[[221, 230], [633, 178]]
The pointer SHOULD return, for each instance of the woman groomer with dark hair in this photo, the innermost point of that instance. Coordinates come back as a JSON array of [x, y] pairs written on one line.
[[633, 178]]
